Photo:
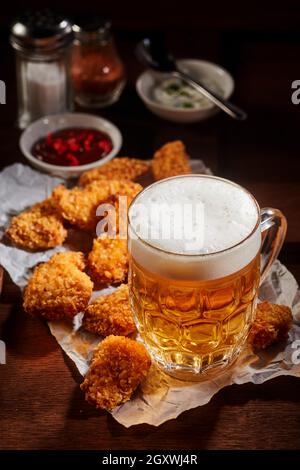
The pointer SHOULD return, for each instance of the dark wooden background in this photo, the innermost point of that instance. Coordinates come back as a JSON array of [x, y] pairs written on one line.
[[41, 406]]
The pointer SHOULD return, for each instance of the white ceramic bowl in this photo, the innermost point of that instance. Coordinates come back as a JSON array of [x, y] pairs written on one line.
[[55, 122], [198, 69]]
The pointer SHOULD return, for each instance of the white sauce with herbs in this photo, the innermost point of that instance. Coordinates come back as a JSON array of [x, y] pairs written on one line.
[[176, 93]]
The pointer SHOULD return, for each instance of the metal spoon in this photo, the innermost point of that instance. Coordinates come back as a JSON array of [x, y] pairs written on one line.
[[153, 54]]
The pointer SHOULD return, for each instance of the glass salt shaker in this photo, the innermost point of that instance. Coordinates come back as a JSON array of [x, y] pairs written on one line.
[[42, 43], [96, 69]]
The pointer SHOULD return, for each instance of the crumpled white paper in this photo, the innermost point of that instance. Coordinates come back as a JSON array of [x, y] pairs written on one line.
[[160, 397], [21, 187]]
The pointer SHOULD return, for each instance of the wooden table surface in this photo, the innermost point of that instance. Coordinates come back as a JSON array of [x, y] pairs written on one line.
[[41, 406]]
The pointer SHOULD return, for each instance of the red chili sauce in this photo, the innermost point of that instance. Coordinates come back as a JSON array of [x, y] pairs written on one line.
[[72, 147]]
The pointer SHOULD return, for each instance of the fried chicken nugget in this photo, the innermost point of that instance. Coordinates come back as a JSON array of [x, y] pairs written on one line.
[[170, 160], [118, 217], [117, 169], [110, 314], [118, 367], [59, 288], [108, 260], [271, 324], [38, 228], [79, 205]]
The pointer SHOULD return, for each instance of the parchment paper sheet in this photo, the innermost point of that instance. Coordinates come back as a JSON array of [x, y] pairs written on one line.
[[160, 398]]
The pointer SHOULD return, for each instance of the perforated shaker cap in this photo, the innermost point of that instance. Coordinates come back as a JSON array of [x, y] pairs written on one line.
[[41, 32]]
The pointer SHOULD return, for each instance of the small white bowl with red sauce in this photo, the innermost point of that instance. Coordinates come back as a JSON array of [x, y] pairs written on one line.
[[67, 144]]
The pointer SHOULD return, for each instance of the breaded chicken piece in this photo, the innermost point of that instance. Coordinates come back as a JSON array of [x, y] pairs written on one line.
[[170, 160], [110, 314], [79, 205], [38, 228], [108, 260], [118, 367], [117, 169], [118, 218], [58, 289], [272, 324]]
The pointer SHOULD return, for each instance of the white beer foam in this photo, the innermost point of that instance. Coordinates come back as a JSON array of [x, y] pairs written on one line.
[[227, 215]]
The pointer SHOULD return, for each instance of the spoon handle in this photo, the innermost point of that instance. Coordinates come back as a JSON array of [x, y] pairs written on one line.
[[225, 105]]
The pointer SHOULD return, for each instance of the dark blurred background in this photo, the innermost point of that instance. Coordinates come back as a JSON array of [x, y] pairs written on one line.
[[257, 41]]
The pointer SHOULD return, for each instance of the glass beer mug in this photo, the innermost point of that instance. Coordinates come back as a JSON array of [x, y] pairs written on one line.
[[199, 248]]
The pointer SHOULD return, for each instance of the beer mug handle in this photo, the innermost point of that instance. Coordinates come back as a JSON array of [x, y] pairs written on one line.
[[273, 229]]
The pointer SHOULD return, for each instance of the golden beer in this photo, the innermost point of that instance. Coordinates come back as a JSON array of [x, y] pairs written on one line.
[[194, 324], [194, 310]]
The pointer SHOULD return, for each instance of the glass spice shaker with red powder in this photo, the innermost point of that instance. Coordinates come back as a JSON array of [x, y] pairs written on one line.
[[96, 69]]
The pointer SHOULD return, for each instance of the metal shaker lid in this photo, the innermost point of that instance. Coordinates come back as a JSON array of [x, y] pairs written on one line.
[[87, 28], [41, 32]]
